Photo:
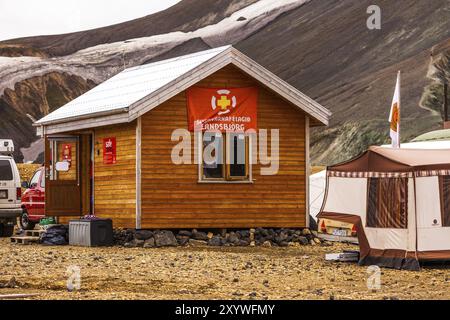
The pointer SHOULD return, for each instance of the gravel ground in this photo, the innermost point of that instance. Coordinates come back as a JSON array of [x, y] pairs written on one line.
[[206, 273]]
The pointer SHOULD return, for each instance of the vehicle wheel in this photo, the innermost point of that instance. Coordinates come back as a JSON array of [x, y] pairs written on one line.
[[25, 222]]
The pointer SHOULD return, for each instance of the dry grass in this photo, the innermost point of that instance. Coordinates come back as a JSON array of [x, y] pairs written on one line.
[[26, 170]]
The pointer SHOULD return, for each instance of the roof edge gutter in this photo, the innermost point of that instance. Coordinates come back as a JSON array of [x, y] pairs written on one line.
[[91, 115]]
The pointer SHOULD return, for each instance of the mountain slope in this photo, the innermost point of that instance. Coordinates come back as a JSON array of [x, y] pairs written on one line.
[[36, 96], [185, 16], [322, 47], [350, 69]]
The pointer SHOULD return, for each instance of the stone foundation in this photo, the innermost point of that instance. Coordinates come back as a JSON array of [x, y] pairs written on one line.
[[194, 238]]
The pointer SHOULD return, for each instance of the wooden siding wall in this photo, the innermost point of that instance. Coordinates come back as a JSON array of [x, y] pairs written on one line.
[[172, 196], [115, 184]]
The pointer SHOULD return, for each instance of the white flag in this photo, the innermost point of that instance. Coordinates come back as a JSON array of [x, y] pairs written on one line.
[[394, 115]]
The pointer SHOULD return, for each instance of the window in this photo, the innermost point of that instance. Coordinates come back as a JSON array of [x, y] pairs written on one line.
[[387, 202], [225, 157], [5, 170], [35, 179], [42, 179], [444, 186]]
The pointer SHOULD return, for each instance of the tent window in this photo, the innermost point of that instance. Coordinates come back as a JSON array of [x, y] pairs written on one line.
[[387, 202], [444, 183]]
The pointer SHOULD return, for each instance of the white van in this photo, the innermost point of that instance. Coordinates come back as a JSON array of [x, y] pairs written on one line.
[[10, 190]]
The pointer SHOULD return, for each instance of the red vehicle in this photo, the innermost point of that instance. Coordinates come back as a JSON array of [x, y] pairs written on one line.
[[33, 200]]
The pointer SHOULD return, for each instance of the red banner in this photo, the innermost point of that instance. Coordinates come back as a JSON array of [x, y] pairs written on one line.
[[109, 150], [222, 109]]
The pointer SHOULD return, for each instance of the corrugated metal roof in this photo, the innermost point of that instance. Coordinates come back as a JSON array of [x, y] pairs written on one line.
[[129, 86]]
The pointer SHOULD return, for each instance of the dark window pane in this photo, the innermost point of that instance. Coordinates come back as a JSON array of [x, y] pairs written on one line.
[[212, 156], [237, 155], [43, 181], [5, 170], [35, 178]]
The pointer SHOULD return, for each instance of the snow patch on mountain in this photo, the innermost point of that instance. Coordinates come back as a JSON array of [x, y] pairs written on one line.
[[103, 61]]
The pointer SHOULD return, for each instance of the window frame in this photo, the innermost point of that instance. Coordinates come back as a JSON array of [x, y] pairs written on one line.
[[36, 175], [445, 214], [9, 176], [226, 177], [376, 218]]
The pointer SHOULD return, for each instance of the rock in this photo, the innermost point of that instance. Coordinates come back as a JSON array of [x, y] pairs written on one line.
[[128, 244], [149, 243], [233, 238], [317, 240], [283, 244], [306, 232], [185, 233], [182, 240], [243, 243], [199, 235], [143, 234], [261, 232], [252, 235], [197, 243], [243, 234], [138, 243], [312, 242], [283, 236], [252, 243], [210, 235], [267, 244], [215, 241], [12, 283], [165, 238]]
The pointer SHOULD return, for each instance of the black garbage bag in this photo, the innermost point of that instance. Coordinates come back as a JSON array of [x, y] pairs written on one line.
[[56, 235]]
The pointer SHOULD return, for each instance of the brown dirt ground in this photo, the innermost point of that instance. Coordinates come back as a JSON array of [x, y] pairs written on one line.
[[207, 273]]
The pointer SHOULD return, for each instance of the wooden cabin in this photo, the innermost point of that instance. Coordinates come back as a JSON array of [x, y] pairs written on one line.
[[109, 151]]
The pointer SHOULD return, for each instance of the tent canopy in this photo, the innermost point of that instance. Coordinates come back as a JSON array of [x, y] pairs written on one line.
[[382, 159]]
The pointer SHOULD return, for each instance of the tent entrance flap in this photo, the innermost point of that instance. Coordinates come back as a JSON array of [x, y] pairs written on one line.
[[62, 173]]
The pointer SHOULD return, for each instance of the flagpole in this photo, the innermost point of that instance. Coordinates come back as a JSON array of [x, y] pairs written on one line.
[[399, 107]]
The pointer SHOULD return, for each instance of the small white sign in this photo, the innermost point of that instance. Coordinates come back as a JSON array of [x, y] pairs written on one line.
[[62, 166]]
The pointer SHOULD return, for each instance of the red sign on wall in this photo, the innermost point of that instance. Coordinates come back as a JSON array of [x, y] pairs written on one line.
[[232, 109], [109, 150], [67, 152]]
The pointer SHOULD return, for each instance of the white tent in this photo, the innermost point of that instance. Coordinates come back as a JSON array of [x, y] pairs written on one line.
[[317, 182], [399, 199]]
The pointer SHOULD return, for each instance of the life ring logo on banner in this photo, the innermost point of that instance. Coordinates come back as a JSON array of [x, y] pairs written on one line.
[[224, 103]]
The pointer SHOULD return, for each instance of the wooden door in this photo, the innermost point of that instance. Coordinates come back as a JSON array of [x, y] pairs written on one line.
[[62, 172]]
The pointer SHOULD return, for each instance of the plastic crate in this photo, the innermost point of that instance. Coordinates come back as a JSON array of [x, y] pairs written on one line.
[[91, 233]]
